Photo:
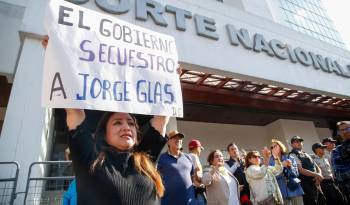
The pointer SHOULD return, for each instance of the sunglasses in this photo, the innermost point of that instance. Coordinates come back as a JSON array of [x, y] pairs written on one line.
[[273, 146], [345, 130]]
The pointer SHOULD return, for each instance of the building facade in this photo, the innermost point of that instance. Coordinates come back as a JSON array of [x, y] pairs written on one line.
[[311, 18], [253, 70]]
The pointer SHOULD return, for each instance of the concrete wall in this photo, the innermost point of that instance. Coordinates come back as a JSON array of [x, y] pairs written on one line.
[[27, 130], [304, 129], [323, 133], [275, 130], [11, 14], [217, 136], [235, 3], [258, 7]]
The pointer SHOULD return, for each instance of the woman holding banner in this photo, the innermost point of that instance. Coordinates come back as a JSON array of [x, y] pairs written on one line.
[[113, 165]]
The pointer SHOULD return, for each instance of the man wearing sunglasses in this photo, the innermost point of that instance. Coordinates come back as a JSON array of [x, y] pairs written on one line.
[[309, 173], [340, 159]]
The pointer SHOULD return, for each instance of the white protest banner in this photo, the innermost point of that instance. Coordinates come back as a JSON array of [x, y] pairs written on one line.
[[96, 61]]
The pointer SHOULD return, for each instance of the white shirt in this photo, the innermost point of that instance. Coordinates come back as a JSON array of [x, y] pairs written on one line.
[[232, 185], [325, 167], [327, 155], [195, 160], [196, 164], [233, 168], [262, 182]]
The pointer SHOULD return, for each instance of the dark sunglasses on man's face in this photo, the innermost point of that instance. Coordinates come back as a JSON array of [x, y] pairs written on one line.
[[345, 130]]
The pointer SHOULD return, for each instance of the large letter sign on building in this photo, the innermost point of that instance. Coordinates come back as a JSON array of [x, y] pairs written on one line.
[[95, 61], [284, 51], [206, 27]]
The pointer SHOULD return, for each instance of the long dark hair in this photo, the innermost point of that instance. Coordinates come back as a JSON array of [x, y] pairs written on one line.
[[248, 156], [142, 161]]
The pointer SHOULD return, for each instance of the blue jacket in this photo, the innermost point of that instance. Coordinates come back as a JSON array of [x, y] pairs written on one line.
[[281, 179], [70, 197], [340, 162]]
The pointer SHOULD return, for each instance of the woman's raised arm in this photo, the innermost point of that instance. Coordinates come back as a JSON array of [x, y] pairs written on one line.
[[159, 123], [74, 118]]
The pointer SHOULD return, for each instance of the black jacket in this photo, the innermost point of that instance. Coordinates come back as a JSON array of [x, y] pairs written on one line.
[[116, 181]]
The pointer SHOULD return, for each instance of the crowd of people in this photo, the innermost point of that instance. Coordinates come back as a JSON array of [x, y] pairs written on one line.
[[272, 176], [120, 162], [119, 165]]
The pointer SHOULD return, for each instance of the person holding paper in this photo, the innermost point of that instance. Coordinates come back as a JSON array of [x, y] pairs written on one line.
[[111, 165], [114, 164]]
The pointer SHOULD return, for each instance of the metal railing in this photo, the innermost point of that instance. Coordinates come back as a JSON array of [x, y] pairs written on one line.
[[8, 182], [47, 181]]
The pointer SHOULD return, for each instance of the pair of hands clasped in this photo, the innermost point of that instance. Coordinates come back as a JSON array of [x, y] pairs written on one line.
[[266, 153]]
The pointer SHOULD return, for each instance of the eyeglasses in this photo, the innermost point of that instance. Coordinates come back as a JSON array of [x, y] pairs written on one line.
[[273, 146], [345, 129]]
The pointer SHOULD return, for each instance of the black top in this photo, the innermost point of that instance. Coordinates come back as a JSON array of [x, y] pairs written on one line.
[[240, 175], [116, 181], [306, 163]]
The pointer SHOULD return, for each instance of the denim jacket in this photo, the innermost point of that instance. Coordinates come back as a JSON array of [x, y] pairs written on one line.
[[281, 179]]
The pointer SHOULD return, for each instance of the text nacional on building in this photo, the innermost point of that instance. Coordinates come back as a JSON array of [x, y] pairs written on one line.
[[206, 27]]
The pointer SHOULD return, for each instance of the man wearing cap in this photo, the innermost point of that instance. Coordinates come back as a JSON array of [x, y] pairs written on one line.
[[176, 170], [309, 173], [330, 143], [195, 148], [329, 188], [340, 159]]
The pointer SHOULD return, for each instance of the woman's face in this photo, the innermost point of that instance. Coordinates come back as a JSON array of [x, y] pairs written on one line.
[[255, 159], [121, 131], [218, 159], [276, 147]]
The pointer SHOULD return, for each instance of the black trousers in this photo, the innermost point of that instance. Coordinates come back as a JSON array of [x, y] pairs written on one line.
[[332, 192], [312, 195], [344, 187]]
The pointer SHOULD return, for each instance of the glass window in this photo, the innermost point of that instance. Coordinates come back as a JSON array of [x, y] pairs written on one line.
[[310, 17]]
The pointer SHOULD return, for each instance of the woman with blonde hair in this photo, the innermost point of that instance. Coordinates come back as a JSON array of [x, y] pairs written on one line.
[[222, 186], [261, 178], [288, 181]]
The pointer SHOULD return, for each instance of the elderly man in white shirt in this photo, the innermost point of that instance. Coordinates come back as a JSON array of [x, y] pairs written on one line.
[[328, 186], [330, 143]]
